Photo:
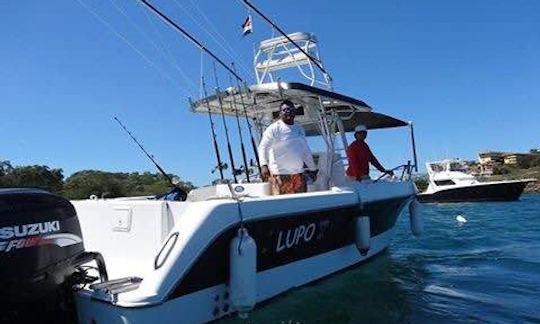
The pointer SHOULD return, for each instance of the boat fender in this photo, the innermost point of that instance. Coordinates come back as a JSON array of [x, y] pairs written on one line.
[[243, 272], [415, 217], [362, 234]]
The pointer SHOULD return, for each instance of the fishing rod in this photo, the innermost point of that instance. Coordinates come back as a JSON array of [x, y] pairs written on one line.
[[220, 165], [311, 58], [234, 171], [174, 25], [148, 155], [244, 157], [253, 144]]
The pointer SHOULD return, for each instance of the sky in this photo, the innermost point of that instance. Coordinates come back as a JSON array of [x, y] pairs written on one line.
[[466, 72]]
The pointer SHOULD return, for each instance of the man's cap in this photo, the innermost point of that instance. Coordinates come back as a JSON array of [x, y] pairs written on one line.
[[360, 128]]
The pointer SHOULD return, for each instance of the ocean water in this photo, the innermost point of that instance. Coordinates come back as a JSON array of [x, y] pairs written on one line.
[[486, 270]]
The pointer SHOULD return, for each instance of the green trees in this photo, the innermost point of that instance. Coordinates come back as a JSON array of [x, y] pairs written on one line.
[[83, 184], [40, 176], [529, 161]]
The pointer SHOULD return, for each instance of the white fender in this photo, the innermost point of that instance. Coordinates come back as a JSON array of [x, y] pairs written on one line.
[[243, 272], [362, 234], [415, 217]]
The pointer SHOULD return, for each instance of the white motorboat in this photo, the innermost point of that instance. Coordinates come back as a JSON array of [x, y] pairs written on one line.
[[450, 181], [227, 247]]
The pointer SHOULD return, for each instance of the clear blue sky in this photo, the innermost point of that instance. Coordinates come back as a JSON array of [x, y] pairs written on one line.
[[466, 72]]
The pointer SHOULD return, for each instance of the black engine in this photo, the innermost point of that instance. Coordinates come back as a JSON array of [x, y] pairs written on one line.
[[41, 248]]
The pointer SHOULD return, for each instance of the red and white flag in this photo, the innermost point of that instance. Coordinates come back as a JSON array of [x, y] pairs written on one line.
[[247, 26]]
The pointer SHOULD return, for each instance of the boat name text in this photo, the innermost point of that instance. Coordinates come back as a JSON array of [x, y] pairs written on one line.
[[294, 236]]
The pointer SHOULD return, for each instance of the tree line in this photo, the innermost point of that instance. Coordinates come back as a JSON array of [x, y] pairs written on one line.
[[83, 184]]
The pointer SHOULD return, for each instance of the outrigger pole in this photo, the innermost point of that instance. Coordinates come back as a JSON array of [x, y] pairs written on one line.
[[220, 165], [253, 144], [311, 58], [188, 36], [244, 157], [231, 158]]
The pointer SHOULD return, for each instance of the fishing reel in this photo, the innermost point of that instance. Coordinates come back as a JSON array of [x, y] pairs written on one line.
[[222, 166], [238, 171]]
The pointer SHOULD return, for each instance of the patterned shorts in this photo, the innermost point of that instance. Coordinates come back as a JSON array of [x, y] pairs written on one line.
[[288, 183]]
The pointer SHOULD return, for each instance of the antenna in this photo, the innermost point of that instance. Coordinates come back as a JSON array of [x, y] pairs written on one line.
[[413, 147]]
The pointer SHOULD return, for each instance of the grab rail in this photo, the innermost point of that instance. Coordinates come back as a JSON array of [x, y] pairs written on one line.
[[157, 262], [407, 170]]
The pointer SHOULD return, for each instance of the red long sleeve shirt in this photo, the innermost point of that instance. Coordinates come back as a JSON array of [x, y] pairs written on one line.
[[360, 156]]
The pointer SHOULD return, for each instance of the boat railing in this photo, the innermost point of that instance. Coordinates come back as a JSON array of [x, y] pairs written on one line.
[[406, 172], [296, 51]]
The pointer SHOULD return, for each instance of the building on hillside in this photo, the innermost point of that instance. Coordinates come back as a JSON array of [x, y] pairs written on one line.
[[491, 158], [514, 158]]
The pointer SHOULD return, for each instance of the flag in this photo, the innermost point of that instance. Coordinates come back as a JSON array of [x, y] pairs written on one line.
[[247, 26]]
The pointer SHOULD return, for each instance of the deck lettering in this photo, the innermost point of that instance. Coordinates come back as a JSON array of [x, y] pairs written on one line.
[[294, 237]]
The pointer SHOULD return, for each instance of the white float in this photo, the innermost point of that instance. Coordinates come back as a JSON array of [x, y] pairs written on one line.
[[415, 217], [243, 272], [362, 234]]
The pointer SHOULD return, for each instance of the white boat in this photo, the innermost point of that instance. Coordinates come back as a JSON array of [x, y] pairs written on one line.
[[450, 181], [231, 246]]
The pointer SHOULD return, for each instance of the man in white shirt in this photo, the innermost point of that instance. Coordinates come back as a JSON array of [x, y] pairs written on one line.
[[283, 152]]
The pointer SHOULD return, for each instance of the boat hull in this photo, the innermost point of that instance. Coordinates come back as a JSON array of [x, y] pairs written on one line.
[[287, 257], [498, 191], [212, 303]]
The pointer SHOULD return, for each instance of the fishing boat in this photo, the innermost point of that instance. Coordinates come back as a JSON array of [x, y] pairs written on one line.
[[225, 248], [451, 181]]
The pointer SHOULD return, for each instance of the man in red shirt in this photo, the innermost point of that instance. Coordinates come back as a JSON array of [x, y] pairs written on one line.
[[360, 156]]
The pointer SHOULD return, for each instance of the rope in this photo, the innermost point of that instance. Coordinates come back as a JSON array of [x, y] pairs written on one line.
[[158, 48], [167, 51], [133, 47], [240, 214], [235, 56], [207, 31]]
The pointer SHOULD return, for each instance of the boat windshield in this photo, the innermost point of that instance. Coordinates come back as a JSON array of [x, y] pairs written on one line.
[[437, 167]]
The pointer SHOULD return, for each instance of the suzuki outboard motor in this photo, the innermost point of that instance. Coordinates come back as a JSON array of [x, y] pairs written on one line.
[[40, 248]]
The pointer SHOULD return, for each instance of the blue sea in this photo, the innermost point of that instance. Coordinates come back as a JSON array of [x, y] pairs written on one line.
[[486, 270]]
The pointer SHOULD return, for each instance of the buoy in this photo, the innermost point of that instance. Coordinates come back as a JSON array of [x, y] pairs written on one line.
[[243, 273], [415, 218], [461, 219], [363, 234]]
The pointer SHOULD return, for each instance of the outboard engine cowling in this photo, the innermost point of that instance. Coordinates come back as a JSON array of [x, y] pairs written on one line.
[[40, 237]]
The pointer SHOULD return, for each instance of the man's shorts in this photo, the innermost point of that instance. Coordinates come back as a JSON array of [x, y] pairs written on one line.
[[288, 183]]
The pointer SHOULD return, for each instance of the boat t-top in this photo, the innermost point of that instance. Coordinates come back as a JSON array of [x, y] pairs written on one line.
[[451, 181], [226, 248]]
